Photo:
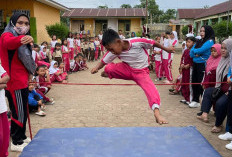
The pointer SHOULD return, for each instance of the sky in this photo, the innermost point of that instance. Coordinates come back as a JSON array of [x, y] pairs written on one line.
[[163, 4]]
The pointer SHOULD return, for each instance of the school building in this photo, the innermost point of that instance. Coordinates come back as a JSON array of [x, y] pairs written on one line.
[[196, 18], [94, 20], [41, 13]]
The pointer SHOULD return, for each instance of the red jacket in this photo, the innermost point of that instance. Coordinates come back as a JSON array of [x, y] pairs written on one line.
[[9, 45]]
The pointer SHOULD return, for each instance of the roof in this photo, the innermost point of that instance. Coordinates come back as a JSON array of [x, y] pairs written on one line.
[[54, 4], [189, 13], [109, 12], [216, 9]]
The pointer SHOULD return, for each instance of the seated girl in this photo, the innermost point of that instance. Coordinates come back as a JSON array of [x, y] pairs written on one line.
[[63, 74], [35, 101], [55, 73], [43, 54]]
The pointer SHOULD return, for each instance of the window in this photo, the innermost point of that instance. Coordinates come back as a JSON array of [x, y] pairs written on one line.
[[27, 12]]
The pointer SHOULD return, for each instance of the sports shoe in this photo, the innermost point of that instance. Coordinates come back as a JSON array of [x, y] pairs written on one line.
[[27, 140], [229, 146], [183, 101], [194, 104], [227, 136], [18, 148]]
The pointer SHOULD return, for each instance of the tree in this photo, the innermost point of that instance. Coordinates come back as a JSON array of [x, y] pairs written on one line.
[[64, 20], [58, 29], [103, 7], [221, 30], [184, 30], [166, 16], [126, 6]]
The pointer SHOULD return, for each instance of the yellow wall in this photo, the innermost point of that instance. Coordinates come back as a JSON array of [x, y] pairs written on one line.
[[9, 5], [45, 15], [89, 24], [136, 25]]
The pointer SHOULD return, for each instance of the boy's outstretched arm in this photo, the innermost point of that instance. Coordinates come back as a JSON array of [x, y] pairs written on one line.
[[99, 66], [167, 49]]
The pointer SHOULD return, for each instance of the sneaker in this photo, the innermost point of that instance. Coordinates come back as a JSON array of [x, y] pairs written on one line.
[[187, 103], [194, 104], [18, 148], [27, 140], [227, 136], [183, 101], [50, 103], [229, 146]]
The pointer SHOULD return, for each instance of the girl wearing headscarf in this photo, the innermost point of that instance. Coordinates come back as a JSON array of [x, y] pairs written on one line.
[[55, 73], [228, 135], [133, 35], [16, 57], [211, 66], [171, 40], [222, 98], [200, 54]]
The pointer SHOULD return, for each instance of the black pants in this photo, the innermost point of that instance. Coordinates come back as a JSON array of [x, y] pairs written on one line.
[[92, 55], [197, 77], [18, 133], [220, 106], [86, 53], [229, 112]]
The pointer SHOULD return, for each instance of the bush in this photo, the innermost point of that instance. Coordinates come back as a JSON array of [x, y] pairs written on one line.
[[58, 29], [138, 34], [185, 30], [221, 31]]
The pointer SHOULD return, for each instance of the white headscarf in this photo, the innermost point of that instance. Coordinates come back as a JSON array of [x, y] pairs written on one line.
[[53, 70], [175, 35], [41, 51]]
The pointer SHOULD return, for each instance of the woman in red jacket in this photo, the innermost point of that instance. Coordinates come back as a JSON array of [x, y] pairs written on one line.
[[15, 52]]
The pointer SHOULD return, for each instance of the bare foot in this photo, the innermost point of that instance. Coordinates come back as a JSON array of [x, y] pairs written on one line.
[[159, 118], [103, 74]]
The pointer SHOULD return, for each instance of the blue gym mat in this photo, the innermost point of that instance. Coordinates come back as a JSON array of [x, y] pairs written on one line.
[[120, 142]]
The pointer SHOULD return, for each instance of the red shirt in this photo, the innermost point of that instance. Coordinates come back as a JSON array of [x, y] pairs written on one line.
[[9, 45]]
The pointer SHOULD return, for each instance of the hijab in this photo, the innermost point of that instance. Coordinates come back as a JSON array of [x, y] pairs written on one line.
[[53, 70], [212, 62], [224, 63], [209, 35], [24, 51]]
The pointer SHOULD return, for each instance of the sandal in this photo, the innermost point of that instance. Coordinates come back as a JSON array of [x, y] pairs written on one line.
[[41, 113], [216, 129], [171, 90], [203, 119]]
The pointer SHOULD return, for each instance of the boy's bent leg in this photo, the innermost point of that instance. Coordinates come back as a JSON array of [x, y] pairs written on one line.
[[118, 71], [145, 82]]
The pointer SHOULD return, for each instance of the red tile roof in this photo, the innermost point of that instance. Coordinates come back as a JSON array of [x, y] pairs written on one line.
[[189, 13], [110, 12], [216, 9]]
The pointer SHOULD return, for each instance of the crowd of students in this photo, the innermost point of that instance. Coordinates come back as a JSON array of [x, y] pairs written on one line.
[[207, 65]]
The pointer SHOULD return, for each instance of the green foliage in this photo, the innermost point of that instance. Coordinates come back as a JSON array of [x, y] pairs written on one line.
[[166, 16], [58, 29], [7, 19], [126, 6], [64, 20], [103, 7], [138, 34], [221, 30], [33, 29], [185, 30]]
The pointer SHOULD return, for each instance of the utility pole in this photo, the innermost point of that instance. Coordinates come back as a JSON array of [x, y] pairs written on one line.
[[146, 15]]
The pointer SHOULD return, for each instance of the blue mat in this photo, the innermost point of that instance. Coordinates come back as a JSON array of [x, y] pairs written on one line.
[[120, 142]]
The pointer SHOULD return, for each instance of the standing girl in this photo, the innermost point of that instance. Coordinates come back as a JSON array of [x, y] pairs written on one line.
[[200, 54], [65, 55], [71, 45], [53, 43], [57, 54], [97, 48], [158, 61], [77, 45]]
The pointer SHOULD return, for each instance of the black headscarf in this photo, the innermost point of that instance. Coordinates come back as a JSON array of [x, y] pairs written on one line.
[[209, 35], [24, 51]]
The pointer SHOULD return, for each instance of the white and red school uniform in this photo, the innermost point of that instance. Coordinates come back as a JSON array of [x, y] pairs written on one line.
[[53, 71], [4, 126], [134, 66], [71, 46], [42, 87], [53, 45], [158, 63], [76, 67], [38, 60], [100, 36], [167, 58], [77, 44], [65, 56], [97, 45]]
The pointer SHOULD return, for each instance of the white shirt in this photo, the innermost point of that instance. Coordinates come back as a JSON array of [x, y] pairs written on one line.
[[136, 57], [169, 43], [121, 36], [97, 43], [71, 42], [157, 56], [100, 36], [77, 42], [53, 43], [3, 107], [64, 48]]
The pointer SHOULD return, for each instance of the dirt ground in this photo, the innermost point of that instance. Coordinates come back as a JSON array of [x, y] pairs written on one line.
[[117, 106]]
